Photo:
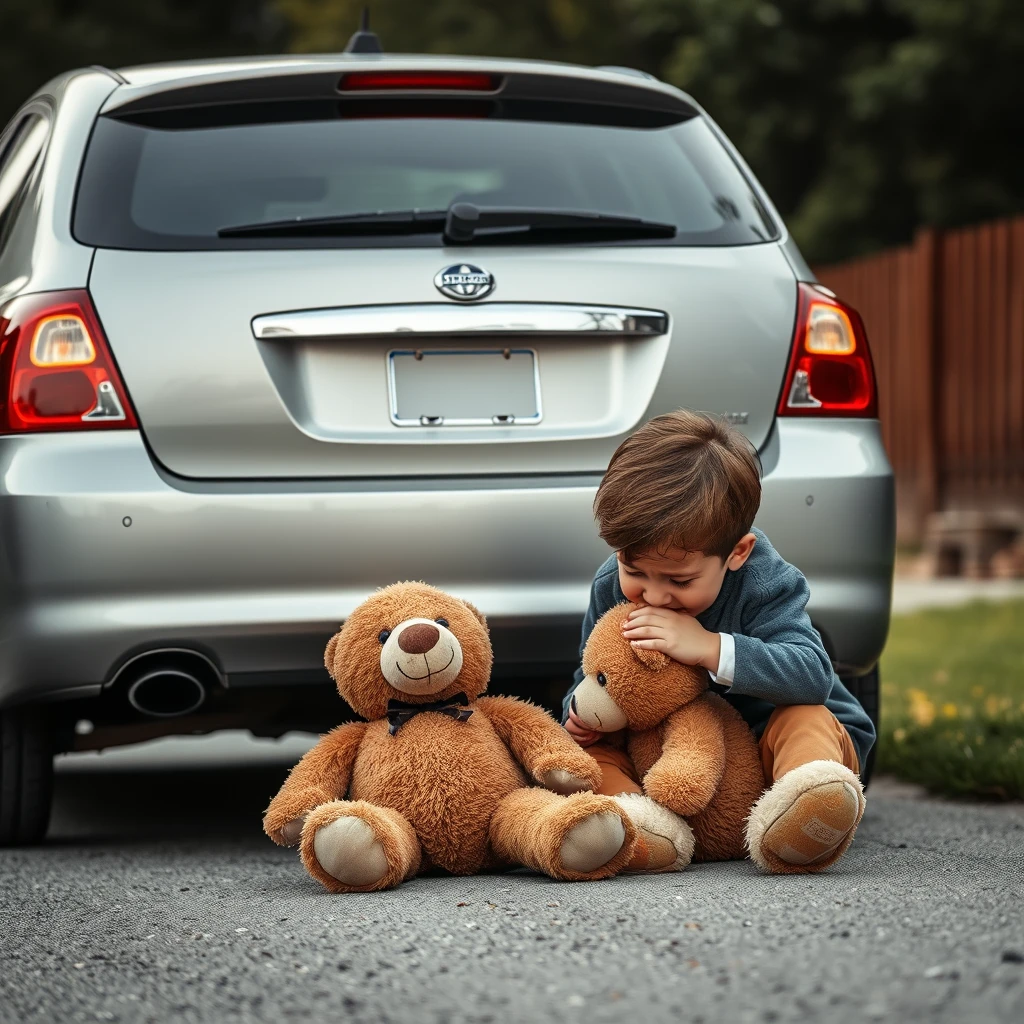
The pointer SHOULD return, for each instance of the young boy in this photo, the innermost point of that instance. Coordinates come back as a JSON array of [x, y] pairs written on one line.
[[676, 504]]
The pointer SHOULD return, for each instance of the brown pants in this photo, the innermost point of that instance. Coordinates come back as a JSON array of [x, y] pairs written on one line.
[[794, 735]]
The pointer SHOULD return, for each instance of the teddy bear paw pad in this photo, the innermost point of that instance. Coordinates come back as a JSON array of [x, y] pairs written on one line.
[[291, 833], [815, 825], [665, 842], [807, 819], [560, 781], [348, 850], [593, 842]]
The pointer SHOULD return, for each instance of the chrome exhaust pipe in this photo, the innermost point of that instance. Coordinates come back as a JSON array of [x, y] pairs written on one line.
[[166, 692]]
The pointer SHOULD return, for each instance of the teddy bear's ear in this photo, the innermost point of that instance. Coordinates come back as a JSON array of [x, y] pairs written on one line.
[[332, 645], [650, 659], [476, 611]]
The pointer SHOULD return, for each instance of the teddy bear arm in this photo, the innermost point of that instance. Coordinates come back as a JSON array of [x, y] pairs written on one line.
[[322, 775], [687, 775], [644, 749], [544, 749]]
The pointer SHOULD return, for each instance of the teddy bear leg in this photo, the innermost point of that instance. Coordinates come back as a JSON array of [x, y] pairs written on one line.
[[355, 846], [665, 841], [807, 819], [573, 838]]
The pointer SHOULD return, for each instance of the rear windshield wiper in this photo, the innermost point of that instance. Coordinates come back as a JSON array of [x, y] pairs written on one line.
[[393, 222], [468, 223], [464, 223]]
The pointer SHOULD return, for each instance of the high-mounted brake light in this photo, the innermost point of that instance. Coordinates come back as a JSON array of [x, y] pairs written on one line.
[[408, 81], [56, 369], [830, 371]]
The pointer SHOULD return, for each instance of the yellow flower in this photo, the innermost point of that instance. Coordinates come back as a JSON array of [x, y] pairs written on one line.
[[949, 710], [922, 710], [899, 735], [994, 705]]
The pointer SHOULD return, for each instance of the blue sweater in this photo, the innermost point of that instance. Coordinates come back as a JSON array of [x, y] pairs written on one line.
[[780, 658]]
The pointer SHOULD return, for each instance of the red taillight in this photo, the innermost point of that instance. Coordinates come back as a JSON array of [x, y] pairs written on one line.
[[56, 369], [389, 81], [830, 371]]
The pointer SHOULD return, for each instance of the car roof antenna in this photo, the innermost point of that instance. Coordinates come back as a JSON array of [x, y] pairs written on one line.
[[364, 41]]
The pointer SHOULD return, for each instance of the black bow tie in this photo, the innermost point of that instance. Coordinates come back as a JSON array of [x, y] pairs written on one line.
[[399, 711]]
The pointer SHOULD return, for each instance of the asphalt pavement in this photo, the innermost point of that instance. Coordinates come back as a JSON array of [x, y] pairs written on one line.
[[157, 898]]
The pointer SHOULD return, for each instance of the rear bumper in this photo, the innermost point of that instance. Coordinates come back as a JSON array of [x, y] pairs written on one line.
[[104, 557]]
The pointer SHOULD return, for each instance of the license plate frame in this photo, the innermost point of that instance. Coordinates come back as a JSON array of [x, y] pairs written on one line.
[[484, 387]]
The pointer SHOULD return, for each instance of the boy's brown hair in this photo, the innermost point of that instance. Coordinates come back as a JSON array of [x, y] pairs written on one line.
[[684, 480]]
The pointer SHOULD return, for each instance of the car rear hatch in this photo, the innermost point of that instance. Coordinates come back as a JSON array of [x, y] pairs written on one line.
[[277, 308]]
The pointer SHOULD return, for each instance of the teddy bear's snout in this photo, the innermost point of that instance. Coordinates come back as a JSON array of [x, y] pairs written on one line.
[[593, 706], [421, 657], [419, 638]]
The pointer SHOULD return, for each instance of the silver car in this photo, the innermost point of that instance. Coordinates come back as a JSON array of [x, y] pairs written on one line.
[[279, 331]]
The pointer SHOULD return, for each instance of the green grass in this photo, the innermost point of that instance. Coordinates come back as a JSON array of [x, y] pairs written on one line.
[[953, 700]]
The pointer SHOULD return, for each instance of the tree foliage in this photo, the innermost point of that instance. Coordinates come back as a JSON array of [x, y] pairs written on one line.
[[865, 119], [581, 31], [42, 38]]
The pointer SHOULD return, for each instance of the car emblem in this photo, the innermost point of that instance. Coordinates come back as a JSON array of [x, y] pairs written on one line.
[[464, 282]]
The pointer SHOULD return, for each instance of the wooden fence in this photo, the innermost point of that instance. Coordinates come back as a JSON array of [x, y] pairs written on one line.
[[945, 321]]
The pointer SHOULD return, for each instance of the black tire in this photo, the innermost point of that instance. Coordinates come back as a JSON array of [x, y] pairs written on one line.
[[26, 776], [866, 689]]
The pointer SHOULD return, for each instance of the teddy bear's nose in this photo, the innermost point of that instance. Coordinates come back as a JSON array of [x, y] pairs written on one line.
[[418, 638]]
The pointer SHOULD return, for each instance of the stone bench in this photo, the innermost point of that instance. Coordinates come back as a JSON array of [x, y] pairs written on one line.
[[972, 543]]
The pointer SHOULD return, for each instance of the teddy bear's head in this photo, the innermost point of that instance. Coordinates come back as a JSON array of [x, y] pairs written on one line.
[[410, 642], [630, 687]]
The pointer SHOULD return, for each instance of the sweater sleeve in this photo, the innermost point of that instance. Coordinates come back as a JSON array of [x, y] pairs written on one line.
[[602, 597], [779, 655]]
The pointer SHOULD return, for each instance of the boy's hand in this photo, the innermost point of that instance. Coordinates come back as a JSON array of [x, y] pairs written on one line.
[[581, 733], [676, 634]]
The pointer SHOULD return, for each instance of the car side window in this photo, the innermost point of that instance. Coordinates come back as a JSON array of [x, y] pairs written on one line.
[[18, 158]]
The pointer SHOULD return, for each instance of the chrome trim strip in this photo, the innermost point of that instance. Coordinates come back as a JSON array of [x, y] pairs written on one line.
[[483, 320]]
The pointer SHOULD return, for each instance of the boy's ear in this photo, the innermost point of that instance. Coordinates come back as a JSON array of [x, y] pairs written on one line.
[[653, 660], [741, 552]]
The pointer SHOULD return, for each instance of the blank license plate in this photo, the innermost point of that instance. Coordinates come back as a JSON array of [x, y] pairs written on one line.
[[492, 387]]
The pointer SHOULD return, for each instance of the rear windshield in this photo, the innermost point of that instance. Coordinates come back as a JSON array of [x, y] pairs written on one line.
[[174, 186]]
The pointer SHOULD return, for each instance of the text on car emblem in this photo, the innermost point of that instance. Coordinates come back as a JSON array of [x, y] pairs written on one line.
[[465, 282]]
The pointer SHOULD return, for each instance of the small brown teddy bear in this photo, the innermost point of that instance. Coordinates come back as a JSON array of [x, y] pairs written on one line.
[[439, 776], [694, 753]]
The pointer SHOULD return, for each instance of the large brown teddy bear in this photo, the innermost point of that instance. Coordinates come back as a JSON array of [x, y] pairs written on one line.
[[439, 776], [694, 753]]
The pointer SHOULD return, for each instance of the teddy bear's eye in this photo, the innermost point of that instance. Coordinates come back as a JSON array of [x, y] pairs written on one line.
[[602, 679], [383, 635], [442, 622]]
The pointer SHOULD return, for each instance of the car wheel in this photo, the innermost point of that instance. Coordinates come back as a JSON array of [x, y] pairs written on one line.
[[26, 776], [866, 689]]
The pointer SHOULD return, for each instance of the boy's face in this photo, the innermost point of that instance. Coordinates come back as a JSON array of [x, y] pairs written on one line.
[[684, 581]]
